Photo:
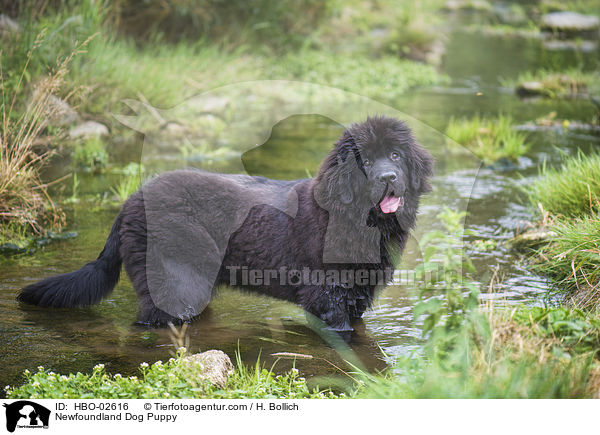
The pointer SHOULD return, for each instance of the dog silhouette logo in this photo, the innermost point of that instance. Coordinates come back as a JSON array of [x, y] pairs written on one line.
[[26, 414]]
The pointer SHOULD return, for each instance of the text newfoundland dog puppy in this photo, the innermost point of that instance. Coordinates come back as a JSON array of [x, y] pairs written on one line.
[[324, 243]]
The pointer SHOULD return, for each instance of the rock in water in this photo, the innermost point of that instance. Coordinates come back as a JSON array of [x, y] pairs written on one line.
[[570, 22], [7, 25], [88, 129], [213, 366], [531, 88]]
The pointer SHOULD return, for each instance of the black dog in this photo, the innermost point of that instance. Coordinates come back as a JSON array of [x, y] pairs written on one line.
[[324, 243]]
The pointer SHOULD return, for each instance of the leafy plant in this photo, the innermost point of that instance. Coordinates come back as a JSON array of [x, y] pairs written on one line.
[[91, 154], [448, 299], [576, 329]]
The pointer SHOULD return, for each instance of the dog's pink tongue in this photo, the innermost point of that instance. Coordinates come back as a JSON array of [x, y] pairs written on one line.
[[390, 204]]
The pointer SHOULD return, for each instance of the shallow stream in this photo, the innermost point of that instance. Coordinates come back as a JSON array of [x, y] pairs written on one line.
[[77, 339]]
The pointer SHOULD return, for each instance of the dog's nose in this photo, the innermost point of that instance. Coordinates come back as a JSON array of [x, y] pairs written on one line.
[[388, 177]]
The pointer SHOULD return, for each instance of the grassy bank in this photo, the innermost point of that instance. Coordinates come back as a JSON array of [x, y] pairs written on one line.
[[114, 66], [570, 196], [573, 190], [518, 359], [483, 351]]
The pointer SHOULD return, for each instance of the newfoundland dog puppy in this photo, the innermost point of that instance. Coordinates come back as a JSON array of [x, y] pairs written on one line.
[[325, 243]]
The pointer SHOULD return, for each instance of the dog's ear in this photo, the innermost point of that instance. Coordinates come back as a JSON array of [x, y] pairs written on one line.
[[421, 168], [340, 172], [341, 183]]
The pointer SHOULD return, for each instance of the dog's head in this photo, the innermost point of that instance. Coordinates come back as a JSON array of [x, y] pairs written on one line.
[[377, 166]]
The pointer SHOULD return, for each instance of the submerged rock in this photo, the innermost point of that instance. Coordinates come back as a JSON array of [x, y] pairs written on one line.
[[51, 235], [213, 366], [531, 88], [503, 164], [531, 238], [88, 129], [13, 248], [570, 22], [571, 44]]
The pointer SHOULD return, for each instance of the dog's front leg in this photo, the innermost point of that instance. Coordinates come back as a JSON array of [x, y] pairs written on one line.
[[330, 305]]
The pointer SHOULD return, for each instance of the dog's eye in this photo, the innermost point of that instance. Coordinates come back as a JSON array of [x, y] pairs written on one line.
[[367, 162], [394, 156]]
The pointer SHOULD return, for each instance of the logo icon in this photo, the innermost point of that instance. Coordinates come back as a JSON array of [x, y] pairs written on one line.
[[26, 414]]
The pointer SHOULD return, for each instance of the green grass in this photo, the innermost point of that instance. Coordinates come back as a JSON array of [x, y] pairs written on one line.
[[570, 195], [509, 375], [163, 75], [14, 236], [572, 259], [385, 78], [573, 190], [276, 25], [490, 140], [174, 380], [24, 200], [130, 180], [581, 6]]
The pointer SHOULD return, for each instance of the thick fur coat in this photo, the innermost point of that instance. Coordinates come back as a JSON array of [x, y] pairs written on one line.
[[324, 243]]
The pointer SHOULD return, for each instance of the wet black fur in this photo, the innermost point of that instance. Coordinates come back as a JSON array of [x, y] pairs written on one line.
[[269, 238]]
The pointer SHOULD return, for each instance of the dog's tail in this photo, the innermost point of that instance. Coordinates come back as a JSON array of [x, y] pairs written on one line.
[[83, 287]]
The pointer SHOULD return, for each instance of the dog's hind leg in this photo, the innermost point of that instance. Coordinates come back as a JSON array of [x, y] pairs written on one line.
[[171, 259], [133, 237]]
